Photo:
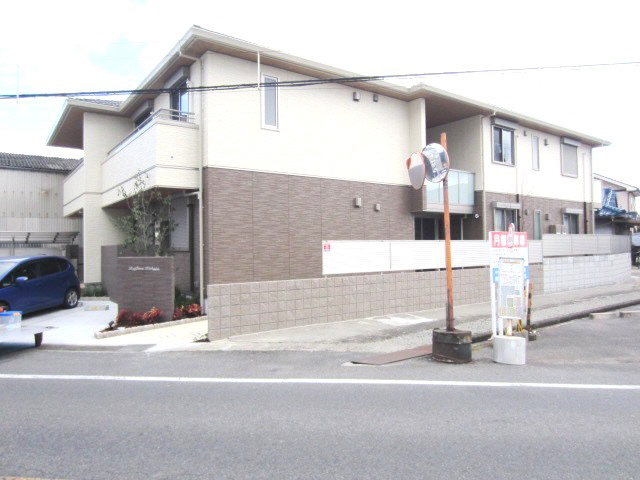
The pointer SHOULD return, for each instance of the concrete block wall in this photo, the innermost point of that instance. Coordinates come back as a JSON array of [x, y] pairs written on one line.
[[240, 308], [572, 273]]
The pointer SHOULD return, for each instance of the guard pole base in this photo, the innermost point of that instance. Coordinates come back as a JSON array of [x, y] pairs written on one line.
[[510, 350], [451, 346]]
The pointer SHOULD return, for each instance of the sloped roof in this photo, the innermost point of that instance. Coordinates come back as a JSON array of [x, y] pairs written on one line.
[[99, 101], [37, 162]]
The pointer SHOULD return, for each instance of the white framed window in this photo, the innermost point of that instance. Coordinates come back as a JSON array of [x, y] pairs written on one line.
[[502, 217], [535, 152], [570, 221], [503, 146], [569, 158], [179, 101], [270, 102]]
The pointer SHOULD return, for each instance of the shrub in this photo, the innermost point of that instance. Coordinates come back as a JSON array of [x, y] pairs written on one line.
[[152, 316], [178, 313], [129, 319], [193, 310], [93, 290]]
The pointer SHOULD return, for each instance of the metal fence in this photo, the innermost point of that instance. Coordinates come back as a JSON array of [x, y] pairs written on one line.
[[368, 256]]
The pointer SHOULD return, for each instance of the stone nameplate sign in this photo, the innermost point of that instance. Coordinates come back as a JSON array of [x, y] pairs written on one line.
[[143, 283], [146, 268]]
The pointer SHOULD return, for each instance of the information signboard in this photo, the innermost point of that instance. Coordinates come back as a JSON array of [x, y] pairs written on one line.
[[509, 271]]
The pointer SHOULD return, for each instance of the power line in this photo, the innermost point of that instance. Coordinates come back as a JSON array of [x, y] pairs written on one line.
[[304, 83]]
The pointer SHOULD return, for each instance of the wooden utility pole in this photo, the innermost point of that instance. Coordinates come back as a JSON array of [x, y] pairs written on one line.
[[447, 243]]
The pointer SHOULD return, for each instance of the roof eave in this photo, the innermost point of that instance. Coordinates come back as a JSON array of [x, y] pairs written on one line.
[[67, 122]]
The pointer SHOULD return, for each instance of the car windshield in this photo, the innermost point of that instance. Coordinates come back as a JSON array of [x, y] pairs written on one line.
[[6, 267]]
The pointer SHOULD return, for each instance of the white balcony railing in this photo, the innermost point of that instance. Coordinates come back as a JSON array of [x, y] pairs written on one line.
[[164, 149], [162, 114]]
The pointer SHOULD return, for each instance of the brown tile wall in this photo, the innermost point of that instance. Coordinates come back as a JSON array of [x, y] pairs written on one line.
[[182, 270], [109, 269], [261, 226], [550, 206]]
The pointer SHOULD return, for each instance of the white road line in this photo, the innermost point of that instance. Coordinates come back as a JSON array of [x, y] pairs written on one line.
[[321, 381]]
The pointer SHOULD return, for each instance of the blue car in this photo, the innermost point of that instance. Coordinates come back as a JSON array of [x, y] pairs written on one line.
[[34, 283]]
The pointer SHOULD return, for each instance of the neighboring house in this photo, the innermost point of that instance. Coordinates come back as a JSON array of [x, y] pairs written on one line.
[[280, 168], [31, 218], [616, 211]]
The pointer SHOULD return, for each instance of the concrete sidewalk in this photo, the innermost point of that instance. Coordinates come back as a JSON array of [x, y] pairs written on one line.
[[381, 334], [389, 333]]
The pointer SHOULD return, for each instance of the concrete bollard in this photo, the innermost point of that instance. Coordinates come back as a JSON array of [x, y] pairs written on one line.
[[509, 350]]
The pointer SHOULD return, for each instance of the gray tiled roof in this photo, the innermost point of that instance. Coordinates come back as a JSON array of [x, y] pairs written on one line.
[[37, 162], [99, 101]]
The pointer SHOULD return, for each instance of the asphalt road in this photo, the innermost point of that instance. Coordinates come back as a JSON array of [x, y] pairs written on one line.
[[572, 412]]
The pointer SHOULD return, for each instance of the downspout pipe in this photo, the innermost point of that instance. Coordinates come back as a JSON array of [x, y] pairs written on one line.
[[200, 181]]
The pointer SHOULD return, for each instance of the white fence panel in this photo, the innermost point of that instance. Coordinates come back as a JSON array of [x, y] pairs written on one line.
[[354, 256], [469, 253], [620, 243], [417, 255], [347, 256], [556, 245], [584, 244]]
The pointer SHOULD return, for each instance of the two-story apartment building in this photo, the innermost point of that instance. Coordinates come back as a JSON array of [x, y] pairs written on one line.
[[273, 153]]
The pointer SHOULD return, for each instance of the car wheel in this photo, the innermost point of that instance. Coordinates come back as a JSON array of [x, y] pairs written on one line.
[[71, 298]]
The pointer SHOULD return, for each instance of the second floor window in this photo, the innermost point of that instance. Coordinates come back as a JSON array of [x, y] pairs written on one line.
[[503, 151], [179, 101], [569, 160], [270, 102], [535, 152]]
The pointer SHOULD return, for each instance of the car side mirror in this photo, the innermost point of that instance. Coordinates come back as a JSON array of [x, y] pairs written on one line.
[[21, 280]]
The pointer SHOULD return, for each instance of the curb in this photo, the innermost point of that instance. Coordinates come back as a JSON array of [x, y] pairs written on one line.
[[144, 328], [481, 337]]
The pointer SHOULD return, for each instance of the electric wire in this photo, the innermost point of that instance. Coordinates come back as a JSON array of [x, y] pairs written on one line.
[[304, 83]]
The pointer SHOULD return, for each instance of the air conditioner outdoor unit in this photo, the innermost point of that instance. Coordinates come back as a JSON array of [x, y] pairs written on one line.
[[558, 229]]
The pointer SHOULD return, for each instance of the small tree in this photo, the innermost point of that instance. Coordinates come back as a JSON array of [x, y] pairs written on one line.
[[148, 223]]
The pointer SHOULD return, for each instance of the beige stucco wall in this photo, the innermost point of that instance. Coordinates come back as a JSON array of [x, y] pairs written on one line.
[[74, 188], [464, 145], [547, 182], [322, 131], [101, 133]]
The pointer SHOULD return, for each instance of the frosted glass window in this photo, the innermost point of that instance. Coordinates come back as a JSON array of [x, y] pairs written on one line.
[[569, 160], [535, 152], [270, 102]]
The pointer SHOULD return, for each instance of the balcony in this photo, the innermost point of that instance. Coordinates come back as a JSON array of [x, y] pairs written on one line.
[[164, 147], [461, 191], [73, 190]]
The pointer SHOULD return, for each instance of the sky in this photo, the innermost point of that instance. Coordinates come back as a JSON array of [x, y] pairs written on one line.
[[70, 45]]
